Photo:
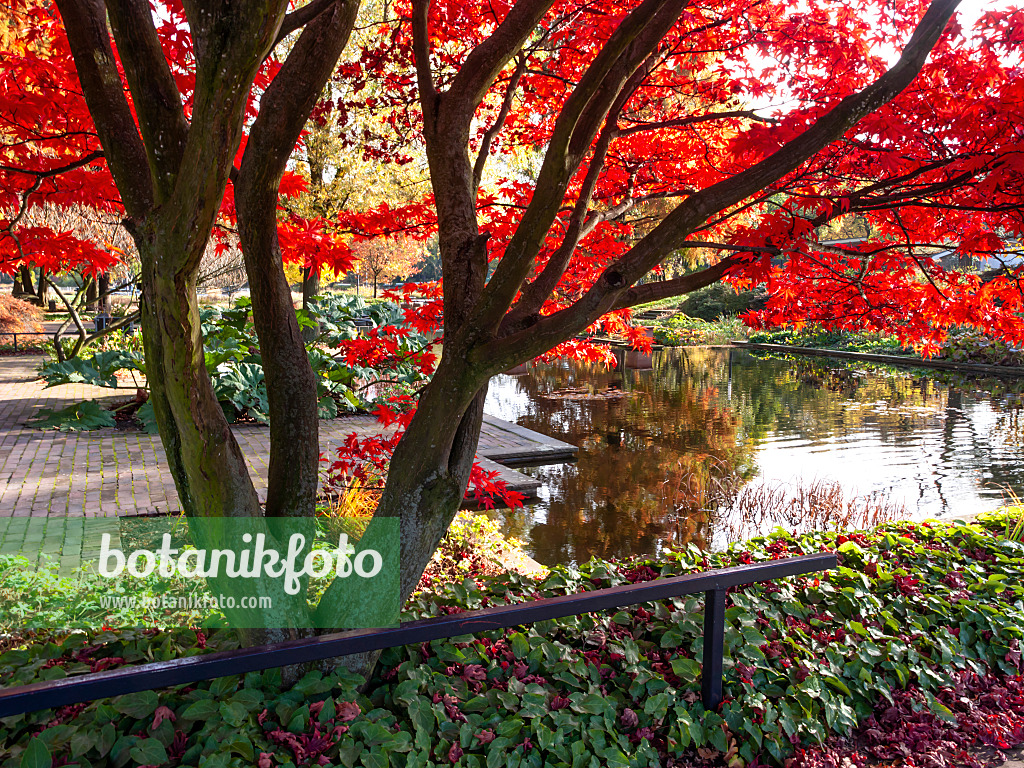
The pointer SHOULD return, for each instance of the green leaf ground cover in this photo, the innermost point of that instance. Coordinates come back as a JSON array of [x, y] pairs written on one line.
[[807, 659]]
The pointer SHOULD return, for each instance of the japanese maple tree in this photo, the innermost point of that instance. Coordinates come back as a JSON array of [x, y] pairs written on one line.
[[646, 144], [652, 128]]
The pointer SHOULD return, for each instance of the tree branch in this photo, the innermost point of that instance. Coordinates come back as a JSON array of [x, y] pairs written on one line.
[[630, 46], [85, 22], [155, 95], [499, 121], [300, 17], [290, 97], [83, 161], [421, 57], [537, 292], [693, 120], [641, 294], [485, 62]]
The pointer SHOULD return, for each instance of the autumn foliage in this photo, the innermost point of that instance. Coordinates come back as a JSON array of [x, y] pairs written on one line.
[[584, 158], [937, 168], [17, 316]]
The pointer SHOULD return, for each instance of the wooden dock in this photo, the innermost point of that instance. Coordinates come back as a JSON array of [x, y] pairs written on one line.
[[504, 445], [515, 446]]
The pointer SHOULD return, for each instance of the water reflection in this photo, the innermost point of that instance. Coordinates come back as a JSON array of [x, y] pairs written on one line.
[[698, 444]]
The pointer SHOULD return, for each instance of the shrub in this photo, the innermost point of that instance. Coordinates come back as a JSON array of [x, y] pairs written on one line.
[[722, 300], [353, 370], [17, 316], [684, 331]]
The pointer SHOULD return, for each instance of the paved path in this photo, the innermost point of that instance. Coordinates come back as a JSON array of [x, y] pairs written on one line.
[[124, 472]]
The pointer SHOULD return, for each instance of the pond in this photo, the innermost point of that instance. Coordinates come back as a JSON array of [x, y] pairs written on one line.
[[711, 445]]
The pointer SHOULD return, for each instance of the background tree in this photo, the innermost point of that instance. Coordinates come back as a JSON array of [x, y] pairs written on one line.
[[383, 260]]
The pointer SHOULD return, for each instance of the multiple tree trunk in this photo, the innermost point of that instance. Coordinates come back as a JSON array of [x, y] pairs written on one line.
[[173, 174]]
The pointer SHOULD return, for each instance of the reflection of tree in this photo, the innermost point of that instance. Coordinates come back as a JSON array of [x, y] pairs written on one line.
[[627, 494], [654, 464], [814, 400]]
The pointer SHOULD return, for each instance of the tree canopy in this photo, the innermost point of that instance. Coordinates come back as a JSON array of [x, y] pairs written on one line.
[[572, 149]]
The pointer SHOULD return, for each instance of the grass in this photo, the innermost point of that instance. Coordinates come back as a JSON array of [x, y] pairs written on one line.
[[671, 302]]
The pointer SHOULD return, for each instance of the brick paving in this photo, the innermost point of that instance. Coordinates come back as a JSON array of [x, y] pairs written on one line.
[[112, 472]]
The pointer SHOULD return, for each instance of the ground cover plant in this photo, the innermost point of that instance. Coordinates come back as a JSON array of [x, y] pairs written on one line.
[[921, 623], [46, 595], [681, 330]]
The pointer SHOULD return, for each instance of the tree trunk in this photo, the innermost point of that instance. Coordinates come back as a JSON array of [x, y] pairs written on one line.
[[104, 295], [26, 281], [293, 470], [206, 463], [40, 296], [310, 290], [91, 294], [435, 456], [294, 465]]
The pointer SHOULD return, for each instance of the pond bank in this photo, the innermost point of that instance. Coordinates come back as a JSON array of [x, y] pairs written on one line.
[[867, 357]]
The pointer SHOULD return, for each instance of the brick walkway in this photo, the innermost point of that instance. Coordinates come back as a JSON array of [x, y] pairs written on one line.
[[111, 472]]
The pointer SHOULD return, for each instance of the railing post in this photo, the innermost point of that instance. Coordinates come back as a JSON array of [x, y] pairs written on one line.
[[714, 648], [49, 694]]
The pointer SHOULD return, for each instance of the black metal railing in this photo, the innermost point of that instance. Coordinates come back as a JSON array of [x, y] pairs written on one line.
[[5, 334], [72, 690], [101, 322]]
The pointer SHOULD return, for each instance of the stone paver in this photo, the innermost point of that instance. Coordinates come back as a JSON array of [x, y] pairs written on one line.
[[112, 472]]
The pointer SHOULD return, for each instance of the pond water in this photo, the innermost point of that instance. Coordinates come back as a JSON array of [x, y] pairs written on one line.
[[712, 445]]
